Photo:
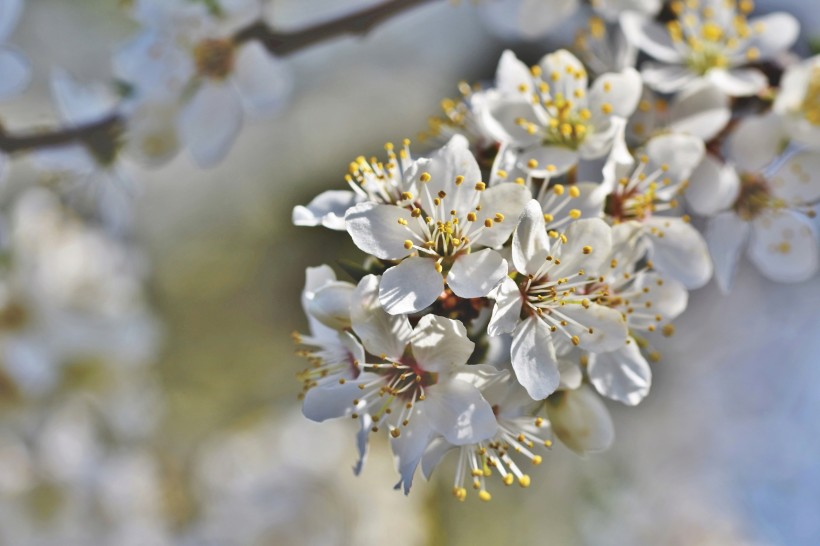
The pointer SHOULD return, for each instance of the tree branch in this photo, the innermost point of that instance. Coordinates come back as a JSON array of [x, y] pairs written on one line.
[[276, 42], [359, 22]]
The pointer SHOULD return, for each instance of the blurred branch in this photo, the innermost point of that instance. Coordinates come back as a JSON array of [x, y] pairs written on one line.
[[357, 23], [278, 43], [103, 128]]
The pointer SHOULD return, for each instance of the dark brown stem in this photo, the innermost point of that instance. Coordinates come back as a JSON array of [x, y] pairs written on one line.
[[357, 23], [276, 42]]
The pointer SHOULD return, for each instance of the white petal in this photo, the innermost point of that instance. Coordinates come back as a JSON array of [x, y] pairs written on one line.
[[362, 437], [669, 297], [738, 82], [666, 78], [333, 399], [376, 229], [410, 445], [756, 142], [327, 209], [783, 246], [210, 122], [436, 451], [608, 326], [315, 278], [457, 411], [512, 77], [701, 109], [530, 243], [507, 199], [443, 167], [15, 73], [533, 358], [679, 154], [571, 374], [155, 64], [330, 304], [475, 275], [410, 286], [507, 308], [679, 251], [650, 37], [797, 181], [263, 81], [549, 160], [79, 103], [589, 242], [10, 11], [381, 333], [621, 90], [581, 421], [726, 235], [777, 33], [440, 344], [500, 115], [622, 375], [570, 72], [713, 187]]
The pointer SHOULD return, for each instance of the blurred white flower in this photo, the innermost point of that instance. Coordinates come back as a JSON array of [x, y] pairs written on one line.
[[69, 293], [580, 420], [15, 72], [188, 52], [700, 109], [604, 48], [763, 197], [798, 100], [710, 39]]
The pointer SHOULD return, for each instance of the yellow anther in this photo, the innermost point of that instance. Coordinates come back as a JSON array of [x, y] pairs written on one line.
[[548, 217], [606, 108], [524, 481], [532, 163], [558, 189], [508, 479], [711, 31], [425, 177], [485, 495], [501, 173], [460, 493], [536, 460], [520, 181], [471, 217], [575, 340], [480, 186], [607, 87], [407, 196], [535, 70], [408, 244], [566, 129], [459, 180], [574, 192], [488, 223], [499, 217], [438, 267], [669, 330], [587, 250], [402, 222], [753, 54]]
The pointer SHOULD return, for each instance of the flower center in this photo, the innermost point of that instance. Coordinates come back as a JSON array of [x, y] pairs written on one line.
[[754, 197], [214, 58]]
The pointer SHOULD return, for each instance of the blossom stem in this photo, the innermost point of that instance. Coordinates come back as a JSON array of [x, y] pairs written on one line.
[[357, 23]]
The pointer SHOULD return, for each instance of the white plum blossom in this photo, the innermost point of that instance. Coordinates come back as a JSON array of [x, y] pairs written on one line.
[[604, 48], [449, 231], [762, 199], [370, 181], [412, 386], [648, 301], [798, 100], [700, 109], [191, 53], [710, 39], [545, 309], [551, 117], [637, 191], [519, 432]]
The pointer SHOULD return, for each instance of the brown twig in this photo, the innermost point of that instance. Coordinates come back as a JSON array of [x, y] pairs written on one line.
[[276, 42]]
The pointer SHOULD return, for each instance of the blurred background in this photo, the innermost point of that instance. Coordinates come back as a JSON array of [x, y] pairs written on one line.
[[724, 450]]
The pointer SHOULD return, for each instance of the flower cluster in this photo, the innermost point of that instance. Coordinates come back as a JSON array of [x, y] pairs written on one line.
[[528, 267]]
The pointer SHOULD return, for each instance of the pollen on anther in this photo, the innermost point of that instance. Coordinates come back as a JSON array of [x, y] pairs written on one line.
[[424, 177]]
